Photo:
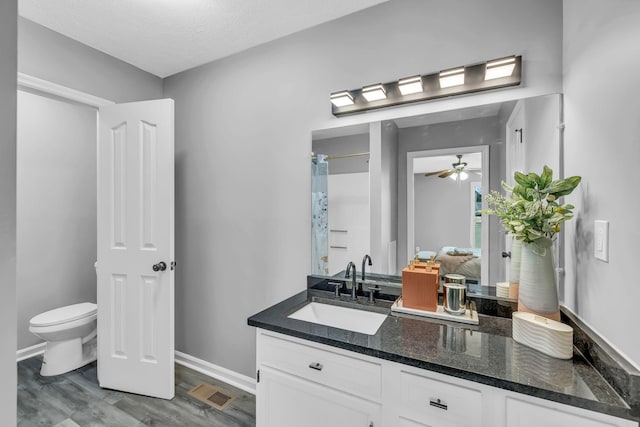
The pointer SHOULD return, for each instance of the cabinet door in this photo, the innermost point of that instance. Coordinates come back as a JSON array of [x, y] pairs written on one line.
[[285, 400], [520, 413]]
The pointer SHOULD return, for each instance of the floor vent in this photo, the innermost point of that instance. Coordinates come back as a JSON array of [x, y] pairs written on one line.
[[212, 396]]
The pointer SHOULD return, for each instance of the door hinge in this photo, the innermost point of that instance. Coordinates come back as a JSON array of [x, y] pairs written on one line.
[[258, 376]]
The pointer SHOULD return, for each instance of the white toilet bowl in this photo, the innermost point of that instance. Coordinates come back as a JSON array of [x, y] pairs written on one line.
[[70, 333]]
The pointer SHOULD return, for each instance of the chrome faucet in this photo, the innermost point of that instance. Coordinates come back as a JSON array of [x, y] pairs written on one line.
[[354, 285], [364, 260]]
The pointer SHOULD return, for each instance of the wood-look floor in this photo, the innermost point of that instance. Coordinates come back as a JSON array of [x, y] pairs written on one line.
[[75, 399]]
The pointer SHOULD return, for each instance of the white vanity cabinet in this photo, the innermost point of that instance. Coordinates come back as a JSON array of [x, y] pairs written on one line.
[[419, 398], [304, 384], [526, 411]]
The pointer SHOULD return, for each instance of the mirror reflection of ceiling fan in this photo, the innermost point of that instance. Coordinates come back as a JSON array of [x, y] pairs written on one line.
[[458, 171]]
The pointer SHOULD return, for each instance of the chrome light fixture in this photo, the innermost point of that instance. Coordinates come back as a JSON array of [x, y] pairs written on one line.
[[454, 77], [459, 175], [374, 92], [410, 85], [494, 74], [500, 68], [342, 99]]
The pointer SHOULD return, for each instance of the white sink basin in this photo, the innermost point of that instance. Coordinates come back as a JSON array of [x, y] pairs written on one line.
[[351, 319]]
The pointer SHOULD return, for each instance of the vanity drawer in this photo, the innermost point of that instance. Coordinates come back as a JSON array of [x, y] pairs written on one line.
[[321, 365], [525, 411], [434, 402]]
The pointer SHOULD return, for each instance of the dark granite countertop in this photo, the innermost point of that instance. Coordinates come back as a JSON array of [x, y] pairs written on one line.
[[483, 353]]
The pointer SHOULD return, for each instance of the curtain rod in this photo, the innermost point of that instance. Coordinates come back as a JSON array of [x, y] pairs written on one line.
[[342, 156]]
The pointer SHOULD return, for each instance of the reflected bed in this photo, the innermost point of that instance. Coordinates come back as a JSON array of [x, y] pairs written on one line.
[[464, 261]]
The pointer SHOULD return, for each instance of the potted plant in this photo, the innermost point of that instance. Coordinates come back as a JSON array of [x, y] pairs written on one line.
[[533, 215]]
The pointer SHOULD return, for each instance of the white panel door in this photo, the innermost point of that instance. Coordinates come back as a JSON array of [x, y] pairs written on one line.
[[515, 154], [135, 248]]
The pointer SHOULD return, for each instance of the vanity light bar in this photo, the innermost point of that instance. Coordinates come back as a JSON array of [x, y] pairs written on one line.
[[500, 68], [450, 78], [494, 74], [374, 92], [410, 85], [342, 99]]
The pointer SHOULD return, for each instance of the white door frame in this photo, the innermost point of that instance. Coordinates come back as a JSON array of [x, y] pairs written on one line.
[[30, 84], [514, 161], [484, 149]]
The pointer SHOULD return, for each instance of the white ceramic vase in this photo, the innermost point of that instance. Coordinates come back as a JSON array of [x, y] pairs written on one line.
[[514, 270], [538, 292]]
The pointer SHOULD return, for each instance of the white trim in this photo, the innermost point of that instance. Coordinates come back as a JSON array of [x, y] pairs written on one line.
[[411, 155], [26, 81], [29, 352], [228, 376]]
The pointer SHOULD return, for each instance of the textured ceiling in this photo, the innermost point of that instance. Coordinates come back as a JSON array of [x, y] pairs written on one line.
[[165, 37]]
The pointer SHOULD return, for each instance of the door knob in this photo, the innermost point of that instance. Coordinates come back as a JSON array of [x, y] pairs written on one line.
[[161, 266], [506, 254]]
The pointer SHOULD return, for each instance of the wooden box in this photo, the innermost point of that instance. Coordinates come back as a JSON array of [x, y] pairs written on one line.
[[425, 265], [420, 289]]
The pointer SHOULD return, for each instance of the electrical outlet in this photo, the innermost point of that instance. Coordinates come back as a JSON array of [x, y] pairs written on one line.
[[601, 240]]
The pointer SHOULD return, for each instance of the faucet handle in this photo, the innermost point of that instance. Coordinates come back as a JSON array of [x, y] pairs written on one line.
[[372, 291], [336, 289]]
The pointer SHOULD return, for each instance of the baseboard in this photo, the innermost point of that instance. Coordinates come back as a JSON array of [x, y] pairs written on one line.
[[230, 377], [233, 378], [34, 350]]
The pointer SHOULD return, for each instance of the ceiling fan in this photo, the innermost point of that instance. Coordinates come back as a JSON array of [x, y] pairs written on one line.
[[459, 168]]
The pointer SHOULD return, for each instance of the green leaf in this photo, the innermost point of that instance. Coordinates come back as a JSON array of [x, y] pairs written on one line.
[[562, 187], [534, 178], [523, 180], [546, 177]]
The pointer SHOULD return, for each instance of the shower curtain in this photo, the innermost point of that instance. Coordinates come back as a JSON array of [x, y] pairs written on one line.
[[319, 214]]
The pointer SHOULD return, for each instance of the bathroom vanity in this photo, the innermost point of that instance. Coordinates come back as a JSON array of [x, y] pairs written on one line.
[[418, 372]]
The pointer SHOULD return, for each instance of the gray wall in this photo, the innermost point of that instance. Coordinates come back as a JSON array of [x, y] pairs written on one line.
[[348, 144], [56, 207], [243, 138], [8, 68], [442, 212], [602, 144], [389, 193], [50, 56], [53, 57], [481, 131]]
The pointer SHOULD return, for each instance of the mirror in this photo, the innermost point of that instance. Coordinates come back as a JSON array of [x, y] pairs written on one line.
[[452, 179], [371, 195]]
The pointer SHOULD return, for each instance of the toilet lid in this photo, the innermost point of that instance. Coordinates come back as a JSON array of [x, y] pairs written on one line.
[[64, 314]]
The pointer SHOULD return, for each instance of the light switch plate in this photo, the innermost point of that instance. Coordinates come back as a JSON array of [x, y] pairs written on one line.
[[601, 240]]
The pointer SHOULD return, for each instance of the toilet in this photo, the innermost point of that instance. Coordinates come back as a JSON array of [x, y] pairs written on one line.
[[70, 335]]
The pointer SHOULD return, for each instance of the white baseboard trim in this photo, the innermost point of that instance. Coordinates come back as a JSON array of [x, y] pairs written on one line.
[[230, 377], [34, 350], [233, 378]]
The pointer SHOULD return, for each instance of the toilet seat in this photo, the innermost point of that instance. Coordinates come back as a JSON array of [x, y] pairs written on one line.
[[66, 314]]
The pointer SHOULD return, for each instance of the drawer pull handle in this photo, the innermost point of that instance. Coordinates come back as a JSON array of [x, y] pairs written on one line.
[[438, 404], [315, 365]]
